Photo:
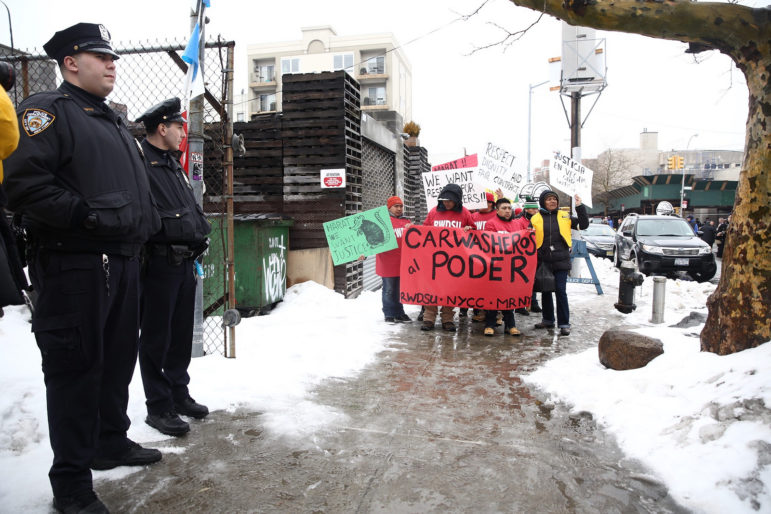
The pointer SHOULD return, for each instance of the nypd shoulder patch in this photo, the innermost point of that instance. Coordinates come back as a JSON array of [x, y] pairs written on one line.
[[36, 121]]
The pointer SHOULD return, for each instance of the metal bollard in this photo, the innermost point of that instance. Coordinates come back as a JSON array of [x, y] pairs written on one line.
[[627, 281], [659, 293]]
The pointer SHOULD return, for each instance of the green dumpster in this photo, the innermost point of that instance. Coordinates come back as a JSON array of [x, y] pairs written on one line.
[[261, 246]]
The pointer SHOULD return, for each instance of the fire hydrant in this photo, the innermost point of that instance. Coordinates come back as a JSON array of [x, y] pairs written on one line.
[[627, 281]]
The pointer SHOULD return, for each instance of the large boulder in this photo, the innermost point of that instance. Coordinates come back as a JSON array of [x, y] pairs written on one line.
[[622, 349]]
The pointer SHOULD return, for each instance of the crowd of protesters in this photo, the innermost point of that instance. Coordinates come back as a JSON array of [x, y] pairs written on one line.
[[552, 227]]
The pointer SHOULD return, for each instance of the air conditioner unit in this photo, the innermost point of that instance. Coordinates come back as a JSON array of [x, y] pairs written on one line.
[[363, 71], [272, 106], [366, 101]]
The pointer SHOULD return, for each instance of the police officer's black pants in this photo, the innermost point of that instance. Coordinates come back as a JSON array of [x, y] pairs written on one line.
[[86, 325], [166, 339]]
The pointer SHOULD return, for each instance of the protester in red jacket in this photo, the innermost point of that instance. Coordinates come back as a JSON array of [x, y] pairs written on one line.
[[387, 265], [482, 216], [504, 222], [449, 212]]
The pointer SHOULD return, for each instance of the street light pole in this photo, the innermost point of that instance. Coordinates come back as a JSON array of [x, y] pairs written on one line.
[[529, 118], [682, 186]]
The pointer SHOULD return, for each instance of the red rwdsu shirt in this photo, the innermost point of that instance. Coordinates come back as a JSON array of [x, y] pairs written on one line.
[[452, 219], [387, 263], [513, 225], [481, 218]]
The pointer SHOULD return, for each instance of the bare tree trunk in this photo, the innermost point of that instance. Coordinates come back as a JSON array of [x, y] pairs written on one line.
[[740, 308]]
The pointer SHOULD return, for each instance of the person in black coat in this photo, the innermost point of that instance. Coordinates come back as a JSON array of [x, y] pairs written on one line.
[[708, 233], [553, 238], [721, 232], [79, 181], [168, 277]]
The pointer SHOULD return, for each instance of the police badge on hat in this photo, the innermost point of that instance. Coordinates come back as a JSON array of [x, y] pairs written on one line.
[[104, 33], [36, 121]]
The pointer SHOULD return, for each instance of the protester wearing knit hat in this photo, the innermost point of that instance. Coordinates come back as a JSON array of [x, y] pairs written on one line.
[[387, 265], [394, 200]]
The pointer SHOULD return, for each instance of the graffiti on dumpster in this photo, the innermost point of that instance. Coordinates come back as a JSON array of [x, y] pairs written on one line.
[[274, 269]]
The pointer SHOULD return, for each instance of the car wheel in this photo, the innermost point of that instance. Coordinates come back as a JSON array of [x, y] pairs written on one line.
[[703, 276], [616, 259]]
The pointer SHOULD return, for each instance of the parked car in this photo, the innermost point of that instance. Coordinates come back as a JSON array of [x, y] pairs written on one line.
[[663, 245], [600, 240]]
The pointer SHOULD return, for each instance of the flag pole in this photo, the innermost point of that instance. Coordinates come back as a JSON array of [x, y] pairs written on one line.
[[195, 166]]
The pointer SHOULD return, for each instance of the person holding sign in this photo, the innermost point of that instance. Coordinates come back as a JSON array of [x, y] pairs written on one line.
[[530, 210], [482, 216], [387, 265], [449, 212], [552, 237], [505, 223]]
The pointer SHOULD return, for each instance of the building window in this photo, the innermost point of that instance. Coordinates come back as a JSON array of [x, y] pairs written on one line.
[[290, 65], [239, 116], [376, 65], [343, 62], [268, 102], [264, 73], [376, 96]]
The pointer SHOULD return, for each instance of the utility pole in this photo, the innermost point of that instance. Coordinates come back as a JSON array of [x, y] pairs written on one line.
[[195, 160], [679, 164], [529, 122]]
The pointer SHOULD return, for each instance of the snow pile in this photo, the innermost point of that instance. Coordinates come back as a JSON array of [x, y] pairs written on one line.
[[315, 334], [701, 422]]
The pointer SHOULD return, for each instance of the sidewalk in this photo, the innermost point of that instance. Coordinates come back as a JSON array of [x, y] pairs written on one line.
[[440, 423]]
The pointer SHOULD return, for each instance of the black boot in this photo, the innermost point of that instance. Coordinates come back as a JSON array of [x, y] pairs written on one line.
[[189, 407], [84, 503], [534, 307], [168, 423], [133, 455]]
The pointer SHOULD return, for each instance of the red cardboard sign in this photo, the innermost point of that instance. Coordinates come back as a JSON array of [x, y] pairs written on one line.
[[482, 270], [469, 161]]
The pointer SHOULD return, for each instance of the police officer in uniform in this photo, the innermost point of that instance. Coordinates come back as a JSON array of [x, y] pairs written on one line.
[[168, 281], [80, 183]]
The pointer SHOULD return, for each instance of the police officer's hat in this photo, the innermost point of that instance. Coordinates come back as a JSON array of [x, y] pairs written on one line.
[[83, 37], [167, 111]]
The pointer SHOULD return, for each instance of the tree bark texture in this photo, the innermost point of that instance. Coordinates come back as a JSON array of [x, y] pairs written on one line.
[[739, 309]]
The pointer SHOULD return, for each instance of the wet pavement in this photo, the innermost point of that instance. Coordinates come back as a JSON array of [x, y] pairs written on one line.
[[441, 422]]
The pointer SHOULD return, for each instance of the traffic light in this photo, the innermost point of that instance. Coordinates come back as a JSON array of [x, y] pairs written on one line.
[[680, 162], [671, 163]]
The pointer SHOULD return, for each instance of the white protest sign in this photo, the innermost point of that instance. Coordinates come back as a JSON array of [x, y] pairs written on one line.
[[572, 177], [473, 194], [500, 169]]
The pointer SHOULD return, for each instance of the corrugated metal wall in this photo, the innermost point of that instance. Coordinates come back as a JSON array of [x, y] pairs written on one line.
[[379, 178]]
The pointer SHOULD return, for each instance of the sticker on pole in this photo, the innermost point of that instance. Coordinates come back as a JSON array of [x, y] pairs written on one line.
[[196, 159], [331, 179]]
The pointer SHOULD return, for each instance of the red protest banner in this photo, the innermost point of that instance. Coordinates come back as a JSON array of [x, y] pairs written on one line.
[[469, 161], [482, 270]]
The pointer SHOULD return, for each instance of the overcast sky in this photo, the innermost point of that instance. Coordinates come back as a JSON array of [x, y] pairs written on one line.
[[461, 101]]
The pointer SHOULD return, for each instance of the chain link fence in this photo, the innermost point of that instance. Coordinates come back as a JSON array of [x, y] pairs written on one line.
[[148, 73]]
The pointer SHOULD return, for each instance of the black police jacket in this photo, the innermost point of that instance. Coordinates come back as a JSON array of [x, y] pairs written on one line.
[[77, 160], [182, 219]]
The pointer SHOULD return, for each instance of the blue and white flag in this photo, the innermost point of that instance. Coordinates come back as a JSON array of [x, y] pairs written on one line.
[[194, 79]]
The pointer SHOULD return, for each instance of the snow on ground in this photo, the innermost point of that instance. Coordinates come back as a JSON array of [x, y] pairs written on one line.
[[699, 421]]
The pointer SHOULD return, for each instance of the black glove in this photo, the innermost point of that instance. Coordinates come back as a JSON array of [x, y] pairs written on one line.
[[200, 248], [79, 215]]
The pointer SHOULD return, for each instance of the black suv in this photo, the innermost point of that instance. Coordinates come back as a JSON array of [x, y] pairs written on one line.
[[663, 245]]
